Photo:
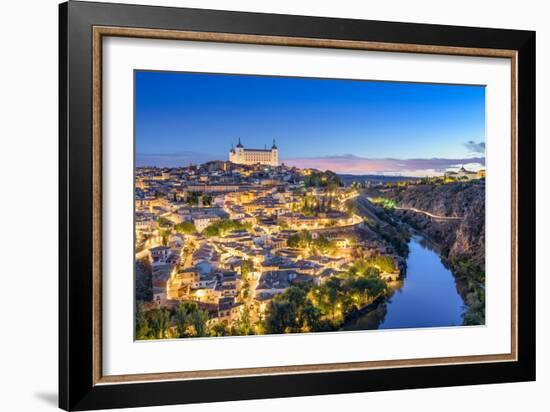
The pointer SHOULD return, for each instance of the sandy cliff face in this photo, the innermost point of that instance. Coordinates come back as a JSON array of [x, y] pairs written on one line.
[[458, 238]]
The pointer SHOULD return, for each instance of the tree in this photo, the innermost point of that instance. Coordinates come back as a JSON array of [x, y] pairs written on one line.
[[301, 239], [280, 317], [311, 318], [198, 321], [388, 204], [247, 266], [187, 228], [143, 280], [327, 297], [372, 287], [218, 329], [165, 235], [475, 309], [291, 312], [181, 318], [143, 330], [211, 230], [283, 226], [307, 209], [189, 314], [351, 208], [305, 238], [296, 295], [372, 267], [322, 179], [324, 245], [371, 272], [163, 222], [293, 241], [192, 198], [223, 226], [159, 323], [243, 324], [384, 262]]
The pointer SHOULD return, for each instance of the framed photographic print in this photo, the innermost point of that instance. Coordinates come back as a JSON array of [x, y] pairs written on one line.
[[257, 205]]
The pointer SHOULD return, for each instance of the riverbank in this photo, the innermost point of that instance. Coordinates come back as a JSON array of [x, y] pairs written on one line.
[[427, 297], [468, 275], [452, 217]]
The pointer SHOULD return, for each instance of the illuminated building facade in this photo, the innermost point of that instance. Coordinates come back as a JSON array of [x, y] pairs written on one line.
[[242, 156]]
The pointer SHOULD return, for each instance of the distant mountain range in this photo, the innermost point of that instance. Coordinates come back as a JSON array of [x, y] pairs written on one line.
[[348, 179]]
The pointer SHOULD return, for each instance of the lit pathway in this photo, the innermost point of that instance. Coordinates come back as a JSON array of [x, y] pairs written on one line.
[[412, 209]]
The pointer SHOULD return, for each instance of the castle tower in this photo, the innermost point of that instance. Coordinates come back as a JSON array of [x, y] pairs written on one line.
[[274, 154], [240, 152], [232, 154]]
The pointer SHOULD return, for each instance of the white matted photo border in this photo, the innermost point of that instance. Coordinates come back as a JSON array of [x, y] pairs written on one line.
[[119, 139]]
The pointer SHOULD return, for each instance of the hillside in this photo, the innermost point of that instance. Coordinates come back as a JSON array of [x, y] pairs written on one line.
[[458, 239]]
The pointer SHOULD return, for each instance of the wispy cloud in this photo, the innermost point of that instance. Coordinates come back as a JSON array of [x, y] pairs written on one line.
[[475, 147], [351, 164]]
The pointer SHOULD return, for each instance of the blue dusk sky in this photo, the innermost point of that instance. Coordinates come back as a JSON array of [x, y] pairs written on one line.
[[348, 126]]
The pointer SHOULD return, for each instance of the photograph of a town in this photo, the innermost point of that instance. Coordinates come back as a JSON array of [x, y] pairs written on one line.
[[276, 205]]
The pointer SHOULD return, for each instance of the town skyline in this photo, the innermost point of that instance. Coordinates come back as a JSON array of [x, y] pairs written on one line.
[[347, 126], [346, 164], [252, 247]]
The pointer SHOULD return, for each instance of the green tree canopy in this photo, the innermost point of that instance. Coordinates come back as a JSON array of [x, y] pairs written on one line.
[[191, 320], [291, 312], [323, 179], [302, 239], [164, 222], [143, 329], [223, 227], [165, 235], [247, 266], [187, 228], [192, 198], [160, 321]]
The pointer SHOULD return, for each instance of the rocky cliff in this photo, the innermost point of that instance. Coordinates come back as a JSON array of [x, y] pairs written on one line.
[[460, 238]]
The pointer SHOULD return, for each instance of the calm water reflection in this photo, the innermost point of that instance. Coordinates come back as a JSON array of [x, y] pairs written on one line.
[[428, 297]]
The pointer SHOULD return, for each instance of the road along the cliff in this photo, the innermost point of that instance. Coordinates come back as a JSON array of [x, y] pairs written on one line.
[[436, 217]]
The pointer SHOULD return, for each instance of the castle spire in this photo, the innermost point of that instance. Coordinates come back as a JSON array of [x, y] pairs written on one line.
[[274, 145], [240, 144]]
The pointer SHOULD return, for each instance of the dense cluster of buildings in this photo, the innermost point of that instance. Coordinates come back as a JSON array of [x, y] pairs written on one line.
[[465, 174], [218, 233]]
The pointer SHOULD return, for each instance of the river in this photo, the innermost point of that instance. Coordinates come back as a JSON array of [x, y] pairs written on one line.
[[428, 296]]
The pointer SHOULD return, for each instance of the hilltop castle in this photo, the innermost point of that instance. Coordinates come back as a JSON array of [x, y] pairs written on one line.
[[243, 156]]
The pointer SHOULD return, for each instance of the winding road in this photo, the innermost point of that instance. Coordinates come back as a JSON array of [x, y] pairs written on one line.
[[436, 217]]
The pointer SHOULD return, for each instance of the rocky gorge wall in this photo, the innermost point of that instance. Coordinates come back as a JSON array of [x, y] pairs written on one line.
[[463, 238]]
